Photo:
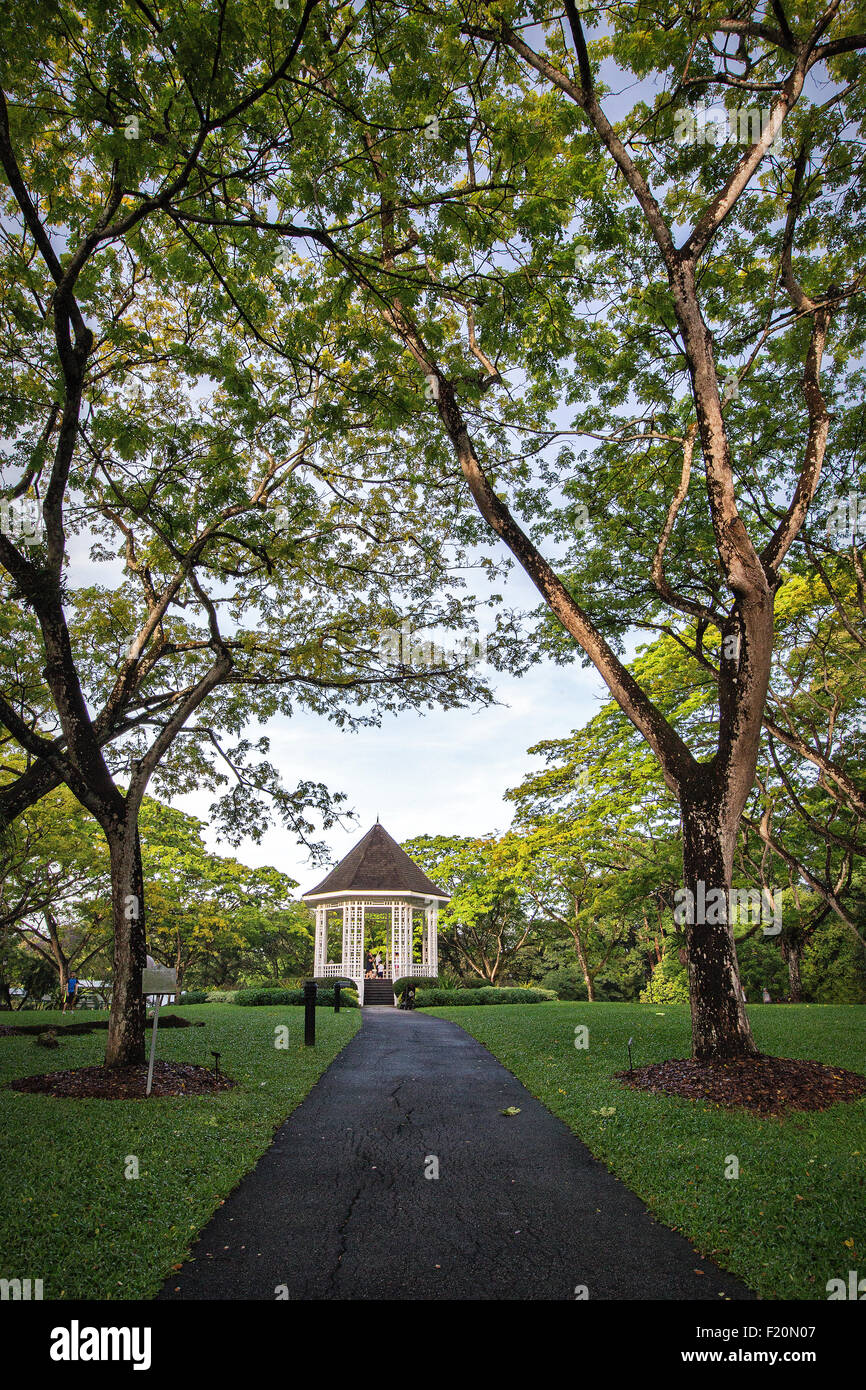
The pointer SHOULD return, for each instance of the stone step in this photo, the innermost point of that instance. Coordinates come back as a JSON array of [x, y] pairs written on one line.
[[378, 992]]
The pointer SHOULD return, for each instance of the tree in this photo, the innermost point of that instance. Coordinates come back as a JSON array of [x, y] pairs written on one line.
[[55, 890], [799, 843], [485, 923], [553, 867], [666, 272], [481, 252], [204, 905], [175, 425]]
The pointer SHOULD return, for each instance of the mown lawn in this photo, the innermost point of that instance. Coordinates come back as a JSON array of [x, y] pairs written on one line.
[[796, 1215], [68, 1214]]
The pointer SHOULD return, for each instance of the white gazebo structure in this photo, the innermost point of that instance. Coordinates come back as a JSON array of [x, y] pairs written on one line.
[[378, 878]]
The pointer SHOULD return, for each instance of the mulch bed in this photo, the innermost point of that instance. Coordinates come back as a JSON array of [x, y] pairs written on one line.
[[763, 1085], [18, 1030], [125, 1083]]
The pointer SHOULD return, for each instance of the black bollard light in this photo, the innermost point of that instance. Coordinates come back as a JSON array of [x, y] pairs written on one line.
[[628, 1045], [310, 1013], [336, 999]]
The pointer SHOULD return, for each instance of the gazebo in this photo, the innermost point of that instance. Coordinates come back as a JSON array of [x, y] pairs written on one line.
[[376, 879]]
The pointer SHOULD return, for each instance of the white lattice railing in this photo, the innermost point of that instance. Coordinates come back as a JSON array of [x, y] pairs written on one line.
[[422, 971]]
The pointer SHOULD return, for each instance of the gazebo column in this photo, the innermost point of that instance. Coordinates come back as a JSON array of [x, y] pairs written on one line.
[[353, 942], [395, 938], [320, 956], [431, 938], [401, 914]]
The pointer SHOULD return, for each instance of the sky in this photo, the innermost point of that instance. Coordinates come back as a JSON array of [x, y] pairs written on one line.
[[439, 773]]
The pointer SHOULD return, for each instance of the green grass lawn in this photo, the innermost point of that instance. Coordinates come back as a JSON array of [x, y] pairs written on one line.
[[794, 1218], [70, 1217]]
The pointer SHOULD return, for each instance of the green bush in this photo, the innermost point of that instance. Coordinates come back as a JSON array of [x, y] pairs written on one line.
[[254, 998], [669, 982], [833, 968], [440, 998], [517, 994], [194, 996], [566, 981], [419, 981], [221, 996]]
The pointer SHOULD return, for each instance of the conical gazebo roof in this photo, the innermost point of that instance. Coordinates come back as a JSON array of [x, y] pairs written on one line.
[[376, 865]]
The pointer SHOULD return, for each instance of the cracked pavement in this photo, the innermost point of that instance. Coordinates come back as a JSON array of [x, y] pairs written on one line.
[[339, 1206]]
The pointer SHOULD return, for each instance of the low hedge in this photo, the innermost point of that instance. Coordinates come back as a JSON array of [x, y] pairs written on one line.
[[221, 996], [194, 996], [419, 981], [254, 998], [441, 998]]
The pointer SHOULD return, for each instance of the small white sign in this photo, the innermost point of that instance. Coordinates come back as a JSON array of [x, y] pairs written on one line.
[[158, 980]]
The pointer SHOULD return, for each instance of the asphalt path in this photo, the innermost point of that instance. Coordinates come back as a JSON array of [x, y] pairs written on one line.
[[340, 1206]]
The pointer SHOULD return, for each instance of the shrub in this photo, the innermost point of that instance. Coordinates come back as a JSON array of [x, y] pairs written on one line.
[[194, 996], [834, 969], [419, 981], [221, 996], [440, 998], [669, 982], [517, 994], [255, 998], [448, 979], [436, 998], [567, 982]]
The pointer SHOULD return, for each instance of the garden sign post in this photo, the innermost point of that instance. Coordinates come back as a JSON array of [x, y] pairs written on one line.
[[310, 1013], [157, 980]]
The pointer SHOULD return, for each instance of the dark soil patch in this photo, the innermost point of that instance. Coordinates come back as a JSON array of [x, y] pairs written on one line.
[[22, 1029], [125, 1083], [165, 1021], [764, 1085]]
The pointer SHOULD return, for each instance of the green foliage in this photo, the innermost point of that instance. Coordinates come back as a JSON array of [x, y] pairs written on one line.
[[762, 967], [195, 996], [419, 981], [434, 998], [257, 998], [487, 918], [205, 908], [834, 968], [566, 982], [669, 982]]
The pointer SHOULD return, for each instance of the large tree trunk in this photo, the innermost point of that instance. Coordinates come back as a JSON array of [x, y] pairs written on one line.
[[61, 960], [720, 1025], [791, 956], [180, 971], [584, 966], [126, 1022]]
